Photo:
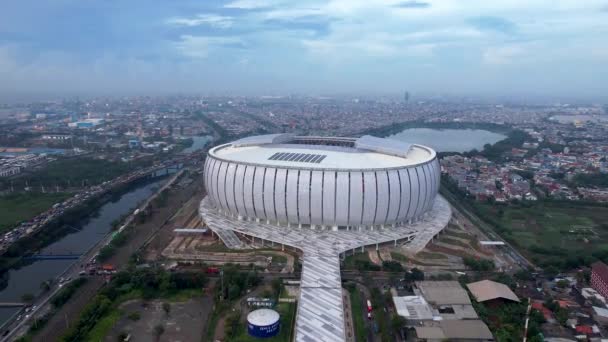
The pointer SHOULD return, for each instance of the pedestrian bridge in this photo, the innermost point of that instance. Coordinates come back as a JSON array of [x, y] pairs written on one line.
[[53, 257]]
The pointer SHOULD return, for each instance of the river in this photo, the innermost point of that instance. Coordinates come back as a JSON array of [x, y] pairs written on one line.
[[28, 278], [449, 140]]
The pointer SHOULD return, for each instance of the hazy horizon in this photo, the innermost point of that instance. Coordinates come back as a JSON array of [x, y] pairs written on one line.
[[499, 49]]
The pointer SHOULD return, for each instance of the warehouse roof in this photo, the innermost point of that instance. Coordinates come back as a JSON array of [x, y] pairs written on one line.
[[487, 290], [455, 329], [443, 292]]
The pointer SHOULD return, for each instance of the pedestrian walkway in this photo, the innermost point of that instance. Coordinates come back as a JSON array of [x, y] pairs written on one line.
[[320, 315]]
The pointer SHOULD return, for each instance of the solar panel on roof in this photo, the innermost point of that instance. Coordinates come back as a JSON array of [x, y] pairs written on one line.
[[298, 157]]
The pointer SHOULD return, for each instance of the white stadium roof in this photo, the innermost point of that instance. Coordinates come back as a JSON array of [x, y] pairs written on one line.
[[283, 150]]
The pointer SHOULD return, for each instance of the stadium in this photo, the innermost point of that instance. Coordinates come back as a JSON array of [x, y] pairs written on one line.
[[325, 197], [322, 183]]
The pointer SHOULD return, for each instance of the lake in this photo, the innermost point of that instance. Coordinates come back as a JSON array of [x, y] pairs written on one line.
[[449, 140], [198, 142]]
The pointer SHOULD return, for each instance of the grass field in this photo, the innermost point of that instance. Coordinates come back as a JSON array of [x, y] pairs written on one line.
[[21, 207], [357, 309], [548, 230]]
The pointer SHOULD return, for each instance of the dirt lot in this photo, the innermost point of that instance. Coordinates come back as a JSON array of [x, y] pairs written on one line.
[[185, 321]]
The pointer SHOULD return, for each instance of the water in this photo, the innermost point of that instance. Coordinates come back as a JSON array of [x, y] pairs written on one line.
[[198, 142], [449, 140], [27, 279]]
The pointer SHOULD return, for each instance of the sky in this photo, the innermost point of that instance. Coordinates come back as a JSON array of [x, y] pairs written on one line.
[[270, 47]]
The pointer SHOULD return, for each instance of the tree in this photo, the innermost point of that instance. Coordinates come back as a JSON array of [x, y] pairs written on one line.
[[27, 297], [45, 285], [397, 322], [159, 329], [416, 274], [276, 286], [166, 308]]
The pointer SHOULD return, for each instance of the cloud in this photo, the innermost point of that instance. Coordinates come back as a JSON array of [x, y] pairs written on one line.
[[501, 55], [412, 4], [490, 23], [213, 20], [201, 46], [251, 4]]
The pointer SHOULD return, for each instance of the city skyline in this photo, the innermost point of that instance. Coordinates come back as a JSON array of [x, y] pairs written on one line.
[[265, 47]]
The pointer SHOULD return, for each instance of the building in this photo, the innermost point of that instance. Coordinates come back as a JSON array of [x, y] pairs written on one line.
[[491, 292], [413, 308], [325, 196], [56, 137], [467, 330], [599, 278], [9, 171], [321, 182], [448, 300]]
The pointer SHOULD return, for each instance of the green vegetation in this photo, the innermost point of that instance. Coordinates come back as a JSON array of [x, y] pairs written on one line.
[[507, 321], [591, 180], [483, 265], [119, 239], [16, 208], [380, 317], [356, 303], [103, 326], [67, 292], [565, 235], [82, 171], [562, 234], [100, 314], [498, 151]]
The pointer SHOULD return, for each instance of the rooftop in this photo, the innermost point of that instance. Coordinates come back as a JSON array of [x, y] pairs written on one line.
[[443, 292], [413, 307], [285, 150], [455, 329], [487, 290]]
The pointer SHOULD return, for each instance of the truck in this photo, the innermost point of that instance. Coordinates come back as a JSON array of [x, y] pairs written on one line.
[[369, 306], [212, 270]]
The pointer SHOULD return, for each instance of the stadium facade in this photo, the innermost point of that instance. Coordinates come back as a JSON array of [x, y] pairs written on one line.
[[323, 182], [326, 197]]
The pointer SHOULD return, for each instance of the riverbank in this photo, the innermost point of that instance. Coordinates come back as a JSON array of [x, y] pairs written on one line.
[[63, 225], [141, 232]]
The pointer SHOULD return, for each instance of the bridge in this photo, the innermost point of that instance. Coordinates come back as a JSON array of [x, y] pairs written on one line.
[[53, 257], [11, 305]]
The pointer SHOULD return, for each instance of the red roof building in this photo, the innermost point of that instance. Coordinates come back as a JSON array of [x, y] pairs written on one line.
[[599, 278]]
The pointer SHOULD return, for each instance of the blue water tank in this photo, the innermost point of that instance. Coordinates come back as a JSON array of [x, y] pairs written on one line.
[[263, 323]]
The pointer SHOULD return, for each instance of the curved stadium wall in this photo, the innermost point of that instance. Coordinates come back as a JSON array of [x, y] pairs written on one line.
[[330, 197]]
